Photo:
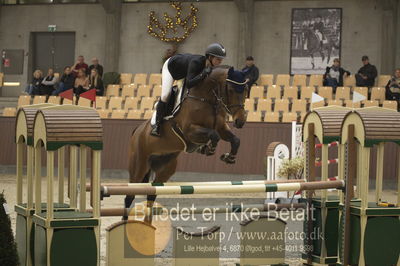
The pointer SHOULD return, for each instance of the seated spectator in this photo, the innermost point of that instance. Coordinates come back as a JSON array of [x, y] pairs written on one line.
[[393, 87], [81, 83], [334, 75], [34, 87], [252, 73], [67, 81], [95, 82], [365, 77], [48, 83], [80, 63], [95, 65]]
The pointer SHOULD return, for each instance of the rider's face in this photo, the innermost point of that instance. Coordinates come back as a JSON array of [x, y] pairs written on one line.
[[216, 61]]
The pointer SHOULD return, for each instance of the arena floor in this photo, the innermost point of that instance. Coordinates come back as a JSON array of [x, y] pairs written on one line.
[[8, 185]]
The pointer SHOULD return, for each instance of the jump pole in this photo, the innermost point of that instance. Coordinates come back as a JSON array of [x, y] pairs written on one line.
[[219, 189]]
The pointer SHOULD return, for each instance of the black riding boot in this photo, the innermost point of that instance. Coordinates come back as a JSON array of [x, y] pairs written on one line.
[[160, 113]]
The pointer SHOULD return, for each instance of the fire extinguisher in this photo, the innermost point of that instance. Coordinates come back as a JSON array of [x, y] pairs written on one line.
[[5, 60]]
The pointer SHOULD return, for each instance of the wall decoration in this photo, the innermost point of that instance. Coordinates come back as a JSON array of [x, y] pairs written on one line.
[[315, 39], [176, 28]]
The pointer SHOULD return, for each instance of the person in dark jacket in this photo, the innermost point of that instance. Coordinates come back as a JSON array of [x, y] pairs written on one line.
[[252, 73], [334, 75], [365, 77], [95, 82], [48, 83], [67, 81], [393, 88], [34, 87], [95, 64], [194, 68]]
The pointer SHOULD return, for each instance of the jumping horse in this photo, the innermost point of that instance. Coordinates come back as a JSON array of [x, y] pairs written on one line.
[[198, 126]]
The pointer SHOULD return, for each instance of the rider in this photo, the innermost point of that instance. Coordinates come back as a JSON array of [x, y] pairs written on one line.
[[194, 68]]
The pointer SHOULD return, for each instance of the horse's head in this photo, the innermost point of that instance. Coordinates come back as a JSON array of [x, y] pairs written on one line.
[[232, 93]]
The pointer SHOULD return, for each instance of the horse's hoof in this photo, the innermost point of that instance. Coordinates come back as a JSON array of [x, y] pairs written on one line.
[[210, 151], [228, 158], [202, 149]]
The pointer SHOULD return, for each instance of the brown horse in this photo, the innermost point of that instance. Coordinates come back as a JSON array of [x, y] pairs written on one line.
[[198, 126]]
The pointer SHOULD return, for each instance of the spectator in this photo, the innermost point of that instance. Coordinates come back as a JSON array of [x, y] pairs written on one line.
[[48, 83], [251, 73], [95, 82], [81, 82], [334, 75], [393, 87], [34, 87], [365, 77], [80, 63], [95, 65], [67, 81]]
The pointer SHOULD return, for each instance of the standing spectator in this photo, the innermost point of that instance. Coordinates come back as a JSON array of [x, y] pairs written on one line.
[[334, 75], [81, 82], [251, 72], [34, 87], [95, 65], [80, 63], [95, 82], [365, 77], [48, 83], [66, 82], [393, 87]]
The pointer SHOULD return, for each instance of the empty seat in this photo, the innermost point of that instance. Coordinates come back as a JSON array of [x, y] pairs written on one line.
[[134, 114], [264, 105], [282, 80], [257, 92], [148, 114], [128, 90], [54, 100], [84, 102], [39, 99], [271, 117], [156, 91], [9, 111], [281, 105], [266, 80], [378, 94], [390, 105], [125, 78], [112, 90], [249, 105], [253, 116], [143, 91], [101, 102], [299, 80], [350, 104], [315, 80], [342, 93], [289, 117], [24, 100], [299, 106], [115, 103], [118, 114], [103, 113], [325, 92], [317, 105], [306, 92], [349, 81], [371, 103], [155, 79], [335, 102], [290, 92], [361, 90], [131, 103], [383, 80], [140, 78], [147, 103], [274, 92]]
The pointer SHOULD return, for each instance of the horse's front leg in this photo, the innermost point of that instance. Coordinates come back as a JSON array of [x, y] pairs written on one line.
[[200, 135], [227, 135]]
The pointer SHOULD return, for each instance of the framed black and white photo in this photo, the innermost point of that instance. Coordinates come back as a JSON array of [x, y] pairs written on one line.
[[315, 39]]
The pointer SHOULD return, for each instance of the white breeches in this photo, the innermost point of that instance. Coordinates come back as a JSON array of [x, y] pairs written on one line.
[[167, 82]]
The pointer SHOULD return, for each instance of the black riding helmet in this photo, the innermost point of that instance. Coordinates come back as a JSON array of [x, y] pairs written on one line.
[[216, 49]]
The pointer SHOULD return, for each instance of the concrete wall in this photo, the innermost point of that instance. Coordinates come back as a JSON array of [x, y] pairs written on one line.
[[363, 24], [17, 22]]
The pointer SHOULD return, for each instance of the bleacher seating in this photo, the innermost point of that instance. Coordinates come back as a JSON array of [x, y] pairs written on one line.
[[383, 80], [125, 78], [378, 94], [118, 114], [257, 92], [140, 78], [274, 92], [9, 111], [264, 105], [24, 100], [299, 80], [112, 90], [128, 90], [290, 92], [315, 80], [390, 105], [282, 80], [266, 80], [254, 116]]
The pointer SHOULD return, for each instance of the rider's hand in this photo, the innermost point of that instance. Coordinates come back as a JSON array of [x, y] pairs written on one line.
[[207, 71]]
